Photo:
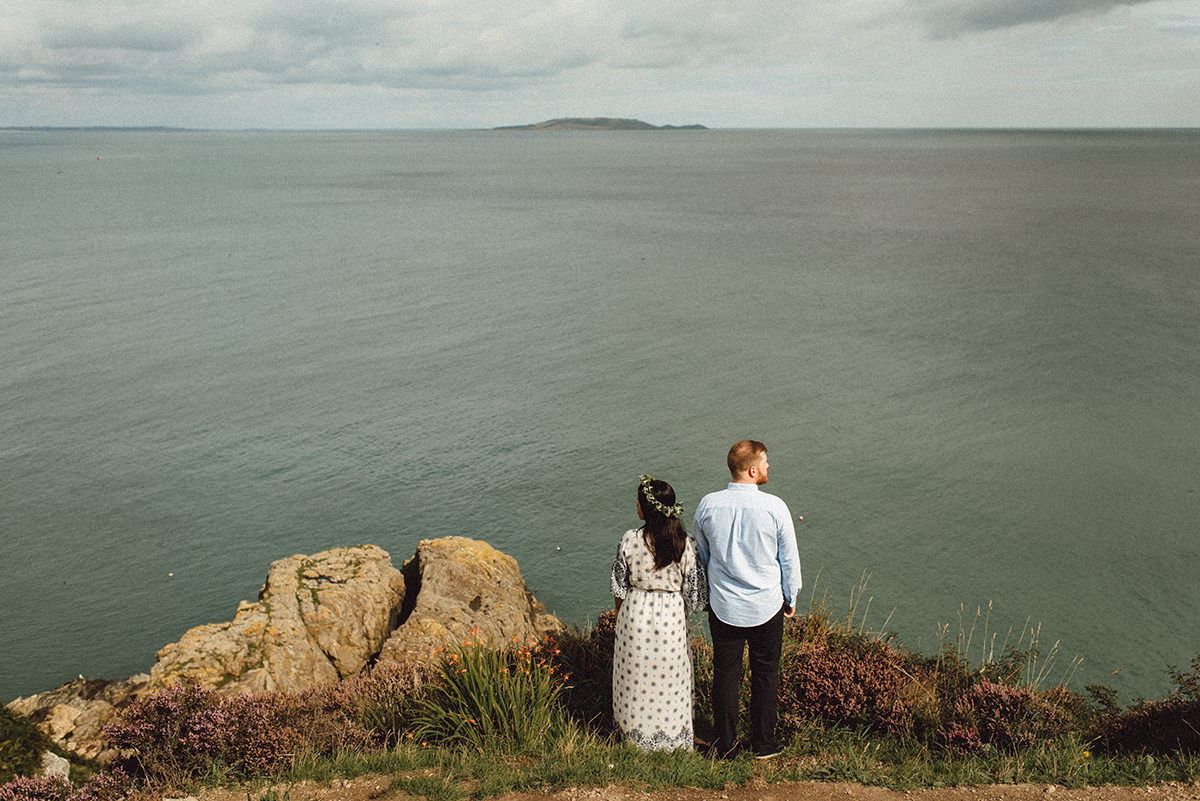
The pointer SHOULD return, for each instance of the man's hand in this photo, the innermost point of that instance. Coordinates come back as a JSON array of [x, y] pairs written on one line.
[[789, 611]]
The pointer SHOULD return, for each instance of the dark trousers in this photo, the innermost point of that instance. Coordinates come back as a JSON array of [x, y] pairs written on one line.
[[729, 643]]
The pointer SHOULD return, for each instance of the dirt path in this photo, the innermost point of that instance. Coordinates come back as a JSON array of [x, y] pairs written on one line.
[[375, 787]]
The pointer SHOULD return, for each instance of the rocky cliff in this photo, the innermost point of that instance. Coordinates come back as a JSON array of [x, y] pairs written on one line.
[[318, 619]]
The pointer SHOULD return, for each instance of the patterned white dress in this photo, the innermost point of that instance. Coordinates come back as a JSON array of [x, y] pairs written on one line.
[[652, 657]]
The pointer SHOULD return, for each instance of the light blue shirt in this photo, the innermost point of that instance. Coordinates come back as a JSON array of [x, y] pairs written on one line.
[[747, 543]]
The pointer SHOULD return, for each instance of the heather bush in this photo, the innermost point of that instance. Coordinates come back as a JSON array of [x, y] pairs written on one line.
[[962, 739], [384, 699], [182, 732], [25, 788], [329, 719], [186, 730], [837, 671], [22, 744], [111, 785], [1012, 717], [847, 678]]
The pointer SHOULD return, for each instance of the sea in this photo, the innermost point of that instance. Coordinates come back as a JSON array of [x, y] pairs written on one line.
[[973, 355]]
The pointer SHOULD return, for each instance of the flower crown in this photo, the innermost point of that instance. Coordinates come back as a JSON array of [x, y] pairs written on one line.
[[675, 511]]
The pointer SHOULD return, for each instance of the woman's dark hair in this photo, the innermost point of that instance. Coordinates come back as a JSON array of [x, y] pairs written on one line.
[[665, 536]]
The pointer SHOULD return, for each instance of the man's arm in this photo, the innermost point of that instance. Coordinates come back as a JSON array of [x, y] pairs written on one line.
[[789, 561]]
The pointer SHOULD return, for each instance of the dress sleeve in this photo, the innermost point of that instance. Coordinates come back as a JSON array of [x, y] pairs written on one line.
[[695, 582], [620, 573]]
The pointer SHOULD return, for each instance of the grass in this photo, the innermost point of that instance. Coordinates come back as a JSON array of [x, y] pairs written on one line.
[[822, 755]]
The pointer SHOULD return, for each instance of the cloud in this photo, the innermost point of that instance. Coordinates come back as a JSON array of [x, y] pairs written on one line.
[[425, 62], [150, 36], [944, 19], [422, 43], [484, 44]]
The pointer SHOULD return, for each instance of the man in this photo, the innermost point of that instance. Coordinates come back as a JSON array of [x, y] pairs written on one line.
[[747, 543]]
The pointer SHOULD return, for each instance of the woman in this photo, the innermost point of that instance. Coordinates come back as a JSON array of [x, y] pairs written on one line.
[[657, 580]]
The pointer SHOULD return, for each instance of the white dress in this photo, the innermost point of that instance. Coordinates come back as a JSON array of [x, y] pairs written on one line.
[[652, 657]]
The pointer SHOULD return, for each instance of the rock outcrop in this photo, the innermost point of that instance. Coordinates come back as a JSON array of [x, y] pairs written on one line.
[[74, 714], [318, 619], [55, 767], [464, 590]]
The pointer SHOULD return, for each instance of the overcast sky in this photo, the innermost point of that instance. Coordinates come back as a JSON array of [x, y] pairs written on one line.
[[482, 63]]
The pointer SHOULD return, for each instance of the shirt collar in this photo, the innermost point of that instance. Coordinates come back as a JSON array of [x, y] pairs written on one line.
[[737, 485]]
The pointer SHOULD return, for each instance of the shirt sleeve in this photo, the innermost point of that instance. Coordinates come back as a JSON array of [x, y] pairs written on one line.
[[789, 558]]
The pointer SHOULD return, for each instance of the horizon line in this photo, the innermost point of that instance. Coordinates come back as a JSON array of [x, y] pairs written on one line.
[[517, 129]]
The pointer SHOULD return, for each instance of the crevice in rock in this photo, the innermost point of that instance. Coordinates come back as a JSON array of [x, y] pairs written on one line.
[[412, 588], [322, 580]]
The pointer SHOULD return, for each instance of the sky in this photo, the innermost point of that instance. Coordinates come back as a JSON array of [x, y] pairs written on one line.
[[414, 64]]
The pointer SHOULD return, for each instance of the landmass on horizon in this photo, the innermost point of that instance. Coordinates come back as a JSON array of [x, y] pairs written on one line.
[[560, 124], [598, 124]]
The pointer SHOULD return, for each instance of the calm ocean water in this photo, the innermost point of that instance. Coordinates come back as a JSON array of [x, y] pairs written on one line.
[[974, 356]]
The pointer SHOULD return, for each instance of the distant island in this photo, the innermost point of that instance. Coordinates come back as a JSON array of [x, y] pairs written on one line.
[[597, 124]]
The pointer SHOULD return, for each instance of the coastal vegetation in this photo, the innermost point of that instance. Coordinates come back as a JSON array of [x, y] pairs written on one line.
[[490, 718]]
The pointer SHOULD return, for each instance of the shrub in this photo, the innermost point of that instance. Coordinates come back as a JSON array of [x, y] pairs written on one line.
[[584, 659], [1170, 724], [846, 678], [112, 785], [1162, 726], [25, 788], [1012, 717], [962, 739], [186, 730], [181, 732], [1187, 685], [327, 719], [384, 699], [109, 785], [22, 744], [490, 698]]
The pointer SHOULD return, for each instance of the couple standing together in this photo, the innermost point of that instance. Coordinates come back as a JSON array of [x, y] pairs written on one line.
[[742, 563]]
